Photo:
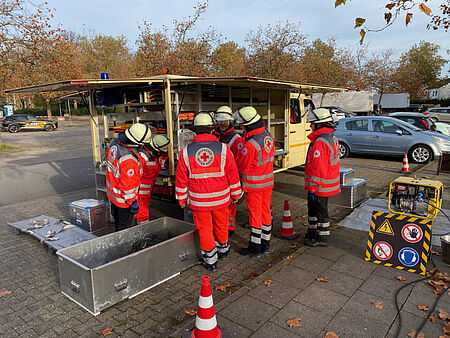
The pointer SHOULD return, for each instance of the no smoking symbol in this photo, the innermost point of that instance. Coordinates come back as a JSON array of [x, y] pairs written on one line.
[[412, 233], [382, 251]]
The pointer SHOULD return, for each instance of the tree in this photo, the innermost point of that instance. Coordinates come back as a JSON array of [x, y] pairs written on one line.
[[420, 69], [379, 73], [228, 59], [104, 53], [324, 63], [396, 8], [274, 50]]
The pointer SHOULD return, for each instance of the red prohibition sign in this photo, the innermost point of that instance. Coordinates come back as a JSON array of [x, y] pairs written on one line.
[[382, 251], [412, 233]]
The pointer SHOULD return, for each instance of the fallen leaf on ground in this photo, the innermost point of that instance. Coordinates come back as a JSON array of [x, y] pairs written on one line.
[[295, 245], [294, 322], [426, 177], [303, 216], [190, 312], [289, 257], [423, 307], [437, 253], [413, 334], [252, 275], [222, 287], [107, 331], [268, 282], [400, 278], [447, 329], [305, 224], [378, 305], [335, 226], [322, 279], [443, 315], [433, 318], [5, 293], [331, 334]]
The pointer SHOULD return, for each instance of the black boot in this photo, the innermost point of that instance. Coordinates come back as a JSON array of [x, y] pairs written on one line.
[[311, 238], [253, 250], [322, 240], [210, 267], [265, 239]]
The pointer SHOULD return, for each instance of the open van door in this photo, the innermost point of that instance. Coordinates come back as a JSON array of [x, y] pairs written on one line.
[[298, 129]]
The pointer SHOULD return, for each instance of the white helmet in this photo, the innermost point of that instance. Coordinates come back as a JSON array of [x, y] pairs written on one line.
[[159, 143], [319, 115], [138, 133], [224, 113], [247, 115], [203, 120]]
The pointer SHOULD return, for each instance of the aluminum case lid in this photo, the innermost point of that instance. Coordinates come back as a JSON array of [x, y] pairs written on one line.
[[87, 203]]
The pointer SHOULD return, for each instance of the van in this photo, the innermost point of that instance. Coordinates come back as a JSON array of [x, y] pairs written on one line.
[[439, 114]]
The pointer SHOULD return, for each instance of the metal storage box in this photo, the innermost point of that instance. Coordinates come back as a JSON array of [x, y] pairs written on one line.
[[103, 271], [89, 214], [347, 175], [351, 195]]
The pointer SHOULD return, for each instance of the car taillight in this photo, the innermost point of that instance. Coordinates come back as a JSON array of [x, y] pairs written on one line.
[[425, 113], [425, 123]]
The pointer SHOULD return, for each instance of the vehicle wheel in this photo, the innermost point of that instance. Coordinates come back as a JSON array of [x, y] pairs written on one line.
[[13, 128], [344, 151], [420, 154], [49, 127]]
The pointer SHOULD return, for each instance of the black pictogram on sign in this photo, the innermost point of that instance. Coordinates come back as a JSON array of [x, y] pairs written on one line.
[[412, 233], [382, 250]]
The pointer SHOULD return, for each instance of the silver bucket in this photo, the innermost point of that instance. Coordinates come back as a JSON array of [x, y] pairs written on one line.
[[445, 244]]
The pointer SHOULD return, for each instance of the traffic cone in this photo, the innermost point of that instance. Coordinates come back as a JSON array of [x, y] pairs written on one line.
[[206, 323], [287, 228], [405, 167]]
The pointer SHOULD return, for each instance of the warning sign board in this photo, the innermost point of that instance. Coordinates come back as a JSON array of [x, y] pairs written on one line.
[[386, 228], [399, 241], [382, 250]]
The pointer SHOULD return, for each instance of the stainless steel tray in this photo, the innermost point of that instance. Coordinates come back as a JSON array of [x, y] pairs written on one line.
[[102, 272]]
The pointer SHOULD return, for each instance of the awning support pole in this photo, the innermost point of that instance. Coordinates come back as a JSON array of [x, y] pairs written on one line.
[[96, 150]]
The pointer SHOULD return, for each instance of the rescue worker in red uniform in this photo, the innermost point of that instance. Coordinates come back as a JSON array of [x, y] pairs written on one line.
[[207, 179], [123, 174], [322, 170], [255, 163], [153, 157], [226, 134]]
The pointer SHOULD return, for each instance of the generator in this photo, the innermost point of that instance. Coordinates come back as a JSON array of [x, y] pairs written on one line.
[[415, 197]]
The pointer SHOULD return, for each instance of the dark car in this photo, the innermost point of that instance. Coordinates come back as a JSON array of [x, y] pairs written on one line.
[[16, 122], [419, 120]]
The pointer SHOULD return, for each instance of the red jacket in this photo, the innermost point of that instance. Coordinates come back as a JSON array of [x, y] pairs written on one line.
[[206, 174], [151, 166], [231, 139], [123, 174], [256, 160], [322, 168]]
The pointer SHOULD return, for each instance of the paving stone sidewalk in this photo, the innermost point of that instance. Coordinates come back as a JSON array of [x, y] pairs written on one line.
[[37, 308]]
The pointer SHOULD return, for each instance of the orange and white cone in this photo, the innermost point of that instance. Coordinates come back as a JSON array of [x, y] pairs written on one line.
[[405, 167], [206, 323], [287, 228]]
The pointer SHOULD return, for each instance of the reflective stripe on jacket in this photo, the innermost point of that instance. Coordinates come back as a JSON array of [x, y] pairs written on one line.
[[151, 166], [232, 140], [322, 168], [206, 174], [123, 173], [256, 160]]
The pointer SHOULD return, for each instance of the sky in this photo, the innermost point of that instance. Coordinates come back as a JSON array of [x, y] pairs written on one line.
[[233, 19]]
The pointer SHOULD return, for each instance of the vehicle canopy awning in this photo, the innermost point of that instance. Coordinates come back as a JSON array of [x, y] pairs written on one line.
[[97, 84]]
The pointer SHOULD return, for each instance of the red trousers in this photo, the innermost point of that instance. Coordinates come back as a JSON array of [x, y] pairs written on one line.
[[212, 226], [258, 204], [232, 216], [144, 197]]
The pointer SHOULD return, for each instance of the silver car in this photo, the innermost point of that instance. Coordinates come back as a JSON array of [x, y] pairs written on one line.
[[388, 136], [438, 114]]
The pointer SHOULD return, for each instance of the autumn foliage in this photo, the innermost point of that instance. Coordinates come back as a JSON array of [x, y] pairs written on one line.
[[34, 52]]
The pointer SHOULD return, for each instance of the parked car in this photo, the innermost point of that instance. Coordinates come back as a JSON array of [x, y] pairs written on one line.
[[419, 120], [382, 135], [442, 127], [16, 122], [339, 113], [439, 113]]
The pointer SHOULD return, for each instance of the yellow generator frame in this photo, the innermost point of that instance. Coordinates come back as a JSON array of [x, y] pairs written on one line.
[[421, 198]]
